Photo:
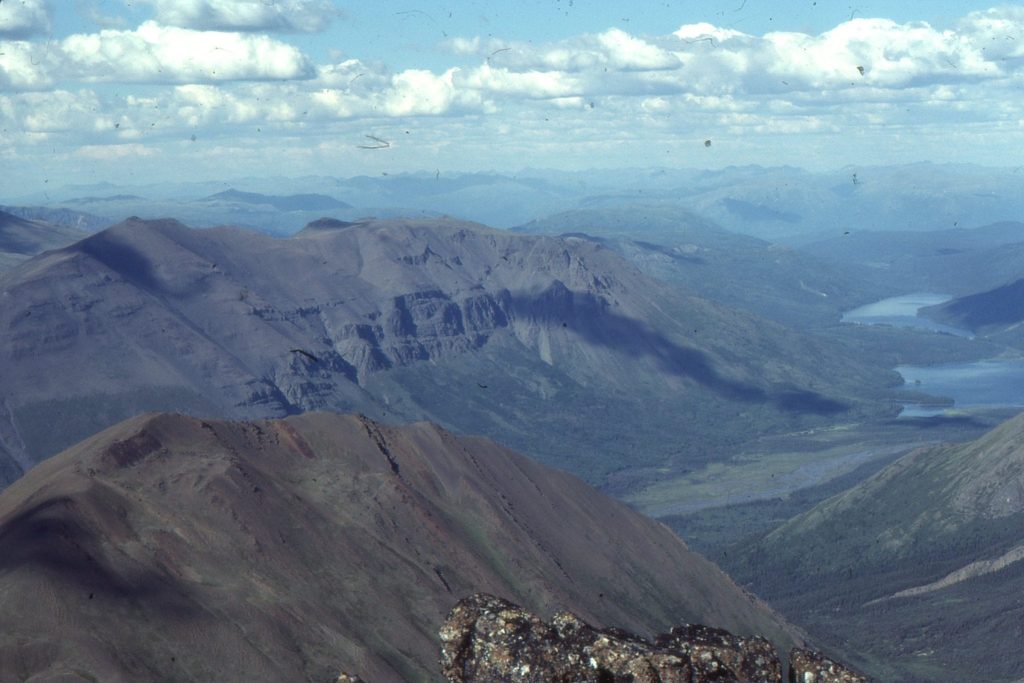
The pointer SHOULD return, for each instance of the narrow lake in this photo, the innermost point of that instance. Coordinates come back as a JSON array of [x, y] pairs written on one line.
[[991, 383], [901, 311]]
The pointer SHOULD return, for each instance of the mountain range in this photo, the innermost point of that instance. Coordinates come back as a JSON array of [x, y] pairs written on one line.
[[481, 330], [902, 261], [682, 248], [781, 204]]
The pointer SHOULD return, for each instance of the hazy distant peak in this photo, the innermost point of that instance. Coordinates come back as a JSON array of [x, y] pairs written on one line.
[[293, 202], [329, 224]]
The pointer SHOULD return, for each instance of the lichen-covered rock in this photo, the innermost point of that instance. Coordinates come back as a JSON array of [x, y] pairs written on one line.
[[489, 639], [348, 678], [806, 666], [709, 649]]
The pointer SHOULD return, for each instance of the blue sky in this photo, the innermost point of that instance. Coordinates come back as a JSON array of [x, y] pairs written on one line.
[[154, 90]]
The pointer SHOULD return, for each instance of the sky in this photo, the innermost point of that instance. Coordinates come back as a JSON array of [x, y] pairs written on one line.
[[149, 91]]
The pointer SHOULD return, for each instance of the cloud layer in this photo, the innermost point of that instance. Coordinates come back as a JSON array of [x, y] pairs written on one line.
[[207, 68], [23, 18], [306, 16]]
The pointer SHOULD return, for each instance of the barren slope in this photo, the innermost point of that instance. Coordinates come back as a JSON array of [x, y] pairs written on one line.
[[169, 548]]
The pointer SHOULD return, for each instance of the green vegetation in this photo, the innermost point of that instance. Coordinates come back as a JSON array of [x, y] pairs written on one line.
[[835, 569]]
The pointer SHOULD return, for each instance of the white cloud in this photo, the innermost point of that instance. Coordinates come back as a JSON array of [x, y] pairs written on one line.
[[568, 99], [612, 49], [51, 112], [114, 152], [305, 16], [23, 18], [704, 59], [998, 33], [530, 84], [25, 66], [159, 54]]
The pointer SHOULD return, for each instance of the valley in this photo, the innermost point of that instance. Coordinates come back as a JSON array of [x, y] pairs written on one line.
[[480, 342], [727, 385]]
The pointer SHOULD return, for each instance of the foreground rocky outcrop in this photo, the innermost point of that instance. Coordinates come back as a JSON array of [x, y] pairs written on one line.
[[807, 666], [486, 638]]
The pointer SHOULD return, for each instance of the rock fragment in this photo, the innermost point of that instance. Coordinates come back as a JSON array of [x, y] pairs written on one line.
[[807, 666]]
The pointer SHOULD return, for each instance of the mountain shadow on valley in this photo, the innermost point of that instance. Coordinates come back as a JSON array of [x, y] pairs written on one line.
[[590, 316]]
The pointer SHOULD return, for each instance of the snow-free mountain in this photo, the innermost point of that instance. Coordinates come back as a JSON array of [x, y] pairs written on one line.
[[520, 337]]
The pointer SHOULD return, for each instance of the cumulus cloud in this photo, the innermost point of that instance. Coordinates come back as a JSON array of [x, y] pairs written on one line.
[[23, 18], [529, 84], [26, 66], [305, 16], [51, 112], [161, 54], [612, 49], [570, 97], [705, 59], [996, 33]]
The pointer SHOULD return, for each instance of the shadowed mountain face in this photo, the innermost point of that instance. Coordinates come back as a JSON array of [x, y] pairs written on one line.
[[993, 312], [170, 548], [918, 571], [24, 237], [518, 337]]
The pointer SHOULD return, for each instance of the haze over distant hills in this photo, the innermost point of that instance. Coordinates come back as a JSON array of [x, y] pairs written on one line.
[[775, 203], [479, 329], [918, 571], [679, 247], [170, 548], [981, 258]]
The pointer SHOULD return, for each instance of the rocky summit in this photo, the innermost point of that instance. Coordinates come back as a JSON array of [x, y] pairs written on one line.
[[487, 639]]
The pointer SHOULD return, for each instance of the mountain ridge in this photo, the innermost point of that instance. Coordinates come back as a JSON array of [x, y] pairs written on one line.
[[939, 527], [177, 548], [376, 316]]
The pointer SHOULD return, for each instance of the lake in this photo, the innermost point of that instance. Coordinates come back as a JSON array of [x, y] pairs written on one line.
[[901, 311], [991, 383]]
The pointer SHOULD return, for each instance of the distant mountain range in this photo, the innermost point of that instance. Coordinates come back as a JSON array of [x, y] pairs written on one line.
[[170, 548], [293, 202], [918, 572], [981, 258], [679, 247], [68, 218], [784, 204], [519, 337]]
